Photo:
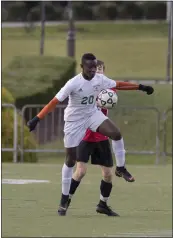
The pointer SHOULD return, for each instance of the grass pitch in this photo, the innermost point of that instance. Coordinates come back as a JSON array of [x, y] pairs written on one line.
[[29, 210], [129, 50]]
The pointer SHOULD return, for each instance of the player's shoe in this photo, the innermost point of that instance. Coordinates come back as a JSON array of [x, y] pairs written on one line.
[[122, 172], [103, 208], [62, 210]]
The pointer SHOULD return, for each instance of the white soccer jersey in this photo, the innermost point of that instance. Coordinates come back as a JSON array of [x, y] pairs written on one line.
[[82, 95]]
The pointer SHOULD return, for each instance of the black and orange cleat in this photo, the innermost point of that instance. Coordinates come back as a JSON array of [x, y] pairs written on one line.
[[122, 172]]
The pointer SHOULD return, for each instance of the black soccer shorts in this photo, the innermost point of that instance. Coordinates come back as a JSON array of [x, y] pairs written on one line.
[[100, 153]]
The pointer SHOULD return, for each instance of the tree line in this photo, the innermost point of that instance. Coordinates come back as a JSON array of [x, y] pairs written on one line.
[[86, 10]]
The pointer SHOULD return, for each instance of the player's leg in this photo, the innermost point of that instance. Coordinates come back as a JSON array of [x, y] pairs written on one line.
[[79, 173], [108, 128], [102, 156], [105, 192], [83, 153], [67, 172], [74, 133], [121, 171]]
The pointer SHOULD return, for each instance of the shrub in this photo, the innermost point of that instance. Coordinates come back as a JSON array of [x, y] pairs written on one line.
[[82, 11], [130, 10], [36, 79], [105, 11], [7, 132], [154, 10], [16, 11], [52, 13]]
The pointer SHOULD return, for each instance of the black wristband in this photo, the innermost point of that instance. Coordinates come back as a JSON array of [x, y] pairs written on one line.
[[142, 87], [36, 118]]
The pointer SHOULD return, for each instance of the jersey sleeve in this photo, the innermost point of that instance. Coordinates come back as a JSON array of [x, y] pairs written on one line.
[[108, 83], [65, 91]]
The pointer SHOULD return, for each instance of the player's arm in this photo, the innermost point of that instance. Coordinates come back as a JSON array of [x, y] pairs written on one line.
[[109, 83], [60, 97], [117, 85], [132, 86], [48, 108]]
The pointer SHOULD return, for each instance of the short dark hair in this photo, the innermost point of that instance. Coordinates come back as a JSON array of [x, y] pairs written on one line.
[[88, 56], [100, 62]]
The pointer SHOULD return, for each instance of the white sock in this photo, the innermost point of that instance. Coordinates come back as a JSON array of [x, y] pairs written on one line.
[[67, 173], [119, 151], [103, 198]]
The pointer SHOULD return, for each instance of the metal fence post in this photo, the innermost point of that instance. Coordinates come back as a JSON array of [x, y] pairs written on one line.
[[165, 153], [15, 138], [158, 138], [22, 135]]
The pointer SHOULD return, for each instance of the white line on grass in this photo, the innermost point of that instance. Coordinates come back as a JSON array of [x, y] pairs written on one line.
[[23, 181], [165, 233]]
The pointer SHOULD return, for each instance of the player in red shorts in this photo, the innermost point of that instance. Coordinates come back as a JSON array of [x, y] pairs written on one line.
[[97, 146]]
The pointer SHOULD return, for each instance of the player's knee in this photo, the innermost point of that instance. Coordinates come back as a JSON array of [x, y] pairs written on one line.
[[80, 170], [80, 174], [107, 174], [70, 162], [107, 178], [116, 135], [70, 157]]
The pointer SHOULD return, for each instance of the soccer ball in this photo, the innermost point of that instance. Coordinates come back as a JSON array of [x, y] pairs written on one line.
[[107, 98]]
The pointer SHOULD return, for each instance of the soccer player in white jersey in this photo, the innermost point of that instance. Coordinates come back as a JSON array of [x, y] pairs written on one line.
[[97, 146], [81, 114]]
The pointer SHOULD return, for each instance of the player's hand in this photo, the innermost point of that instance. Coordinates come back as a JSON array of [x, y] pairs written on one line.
[[148, 89], [32, 123]]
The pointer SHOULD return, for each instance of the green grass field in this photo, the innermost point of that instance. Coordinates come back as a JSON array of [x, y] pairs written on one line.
[[29, 210], [129, 50]]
